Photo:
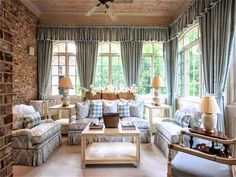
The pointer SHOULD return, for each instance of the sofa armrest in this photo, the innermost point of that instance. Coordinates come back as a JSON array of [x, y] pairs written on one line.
[[21, 138], [46, 121]]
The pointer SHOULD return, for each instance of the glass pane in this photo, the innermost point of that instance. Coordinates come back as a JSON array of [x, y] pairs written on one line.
[[71, 47], [55, 49], [54, 60], [72, 70], [103, 48], [55, 80], [72, 60], [62, 60], [62, 48], [147, 48], [105, 60], [181, 44], [54, 70], [117, 72], [115, 48], [158, 49], [55, 90], [72, 78], [191, 36], [62, 70], [72, 91]]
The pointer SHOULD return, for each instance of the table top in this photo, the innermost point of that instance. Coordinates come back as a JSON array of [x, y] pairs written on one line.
[[70, 106], [215, 134], [109, 131], [151, 106]]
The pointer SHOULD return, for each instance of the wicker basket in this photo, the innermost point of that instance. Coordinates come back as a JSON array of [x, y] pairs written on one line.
[[111, 120]]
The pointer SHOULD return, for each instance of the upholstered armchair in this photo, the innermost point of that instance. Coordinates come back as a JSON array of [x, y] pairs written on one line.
[[191, 162]]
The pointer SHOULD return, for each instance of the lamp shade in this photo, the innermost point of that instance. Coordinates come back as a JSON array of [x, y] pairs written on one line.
[[65, 83], [208, 104], [157, 82]]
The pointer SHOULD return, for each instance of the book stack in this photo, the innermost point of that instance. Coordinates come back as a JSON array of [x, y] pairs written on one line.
[[128, 126], [96, 125]]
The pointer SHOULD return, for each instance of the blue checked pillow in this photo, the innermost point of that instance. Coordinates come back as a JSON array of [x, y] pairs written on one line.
[[32, 120], [124, 108], [182, 118], [95, 110]]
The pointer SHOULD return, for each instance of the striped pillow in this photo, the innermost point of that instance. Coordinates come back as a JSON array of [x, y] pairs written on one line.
[[124, 108], [32, 120], [182, 118], [95, 110]]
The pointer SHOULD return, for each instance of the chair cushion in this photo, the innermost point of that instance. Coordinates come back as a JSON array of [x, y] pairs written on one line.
[[79, 125], [188, 165], [95, 110], [124, 108], [44, 131], [32, 120], [82, 109], [170, 130], [136, 109], [140, 123]]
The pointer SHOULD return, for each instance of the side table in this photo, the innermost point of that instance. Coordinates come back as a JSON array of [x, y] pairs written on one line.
[[152, 107]]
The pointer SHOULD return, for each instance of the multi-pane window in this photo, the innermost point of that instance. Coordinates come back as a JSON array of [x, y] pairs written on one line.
[[109, 65], [189, 73], [152, 64], [64, 64]]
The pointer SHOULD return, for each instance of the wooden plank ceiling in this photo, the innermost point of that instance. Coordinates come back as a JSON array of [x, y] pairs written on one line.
[[129, 12]]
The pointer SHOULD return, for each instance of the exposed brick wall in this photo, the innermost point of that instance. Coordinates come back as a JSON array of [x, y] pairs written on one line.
[[24, 65]]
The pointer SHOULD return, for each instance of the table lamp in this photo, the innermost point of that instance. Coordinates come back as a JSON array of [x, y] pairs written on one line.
[[209, 107], [65, 84], [156, 85]]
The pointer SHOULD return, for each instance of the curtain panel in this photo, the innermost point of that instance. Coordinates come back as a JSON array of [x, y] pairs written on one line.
[[86, 55], [217, 32], [170, 50], [103, 33], [197, 9], [44, 66], [131, 55]]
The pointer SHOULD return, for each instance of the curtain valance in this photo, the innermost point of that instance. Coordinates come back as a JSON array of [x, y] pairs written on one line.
[[103, 33], [196, 10]]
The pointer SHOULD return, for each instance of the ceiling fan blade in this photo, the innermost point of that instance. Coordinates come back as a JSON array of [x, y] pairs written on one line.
[[111, 14], [92, 10]]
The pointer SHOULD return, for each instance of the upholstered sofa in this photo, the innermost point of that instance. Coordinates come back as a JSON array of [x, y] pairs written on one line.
[[168, 130], [78, 122], [33, 139]]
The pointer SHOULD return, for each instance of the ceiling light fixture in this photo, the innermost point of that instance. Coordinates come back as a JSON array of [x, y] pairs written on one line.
[[107, 10]]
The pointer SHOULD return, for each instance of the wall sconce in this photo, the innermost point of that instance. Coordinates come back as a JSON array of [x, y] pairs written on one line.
[[31, 51]]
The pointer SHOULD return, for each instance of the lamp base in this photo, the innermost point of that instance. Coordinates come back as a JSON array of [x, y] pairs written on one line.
[[156, 99], [209, 122], [65, 99]]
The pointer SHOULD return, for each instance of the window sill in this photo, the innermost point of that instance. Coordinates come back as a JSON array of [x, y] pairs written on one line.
[[190, 99]]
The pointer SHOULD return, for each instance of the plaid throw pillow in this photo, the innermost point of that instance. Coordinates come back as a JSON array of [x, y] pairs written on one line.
[[82, 110], [95, 110], [32, 120], [182, 118], [124, 108]]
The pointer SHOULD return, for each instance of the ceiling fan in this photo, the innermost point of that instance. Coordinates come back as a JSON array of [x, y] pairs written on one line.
[[107, 10]]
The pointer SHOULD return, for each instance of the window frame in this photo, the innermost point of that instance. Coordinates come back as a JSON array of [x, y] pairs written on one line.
[[185, 50], [110, 55], [67, 55]]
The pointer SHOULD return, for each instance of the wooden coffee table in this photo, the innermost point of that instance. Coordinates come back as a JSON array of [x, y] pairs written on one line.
[[110, 152]]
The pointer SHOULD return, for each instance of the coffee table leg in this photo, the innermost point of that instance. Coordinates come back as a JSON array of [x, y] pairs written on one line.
[[83, 142], [138, 151]]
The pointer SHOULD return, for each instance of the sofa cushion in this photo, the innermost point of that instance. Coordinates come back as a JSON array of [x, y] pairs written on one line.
[[19, 111], [79, 125], [188, 165], [182, 118], [95, 110], [82, 109], [124, 108], [32, 120], [109, 106], [136, 109], [170, 130], [140, 123], [43, 132]]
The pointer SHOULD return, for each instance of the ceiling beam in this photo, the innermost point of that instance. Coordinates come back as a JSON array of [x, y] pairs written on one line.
[[33, 8]]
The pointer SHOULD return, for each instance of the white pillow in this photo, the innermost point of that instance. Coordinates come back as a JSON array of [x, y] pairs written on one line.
[[136, 109], [82, 110], [109, 106]]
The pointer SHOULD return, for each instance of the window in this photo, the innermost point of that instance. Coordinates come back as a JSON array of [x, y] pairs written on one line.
[[189, 72], [64, 64], [109, 65], [152, 64]]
